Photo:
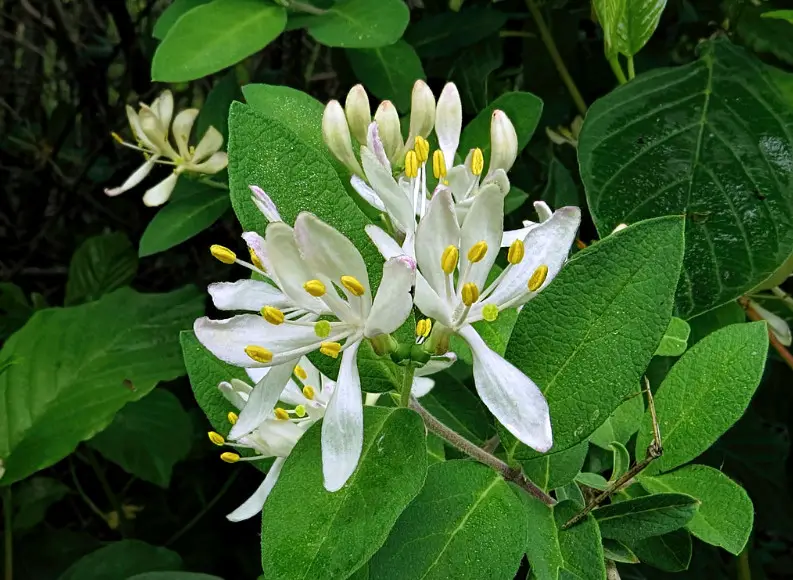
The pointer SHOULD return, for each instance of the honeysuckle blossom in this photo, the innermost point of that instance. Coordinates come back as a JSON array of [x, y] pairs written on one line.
[[443, 248], [776, 323], [315, 271], [150, 127]]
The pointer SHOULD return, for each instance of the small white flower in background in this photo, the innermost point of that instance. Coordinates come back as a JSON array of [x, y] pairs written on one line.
[[564, 135], [443, 248], [776, 323], [151, 127]]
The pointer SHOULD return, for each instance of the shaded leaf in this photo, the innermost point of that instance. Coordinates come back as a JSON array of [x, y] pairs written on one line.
[[121, 560], [389, 72], [100, 265], [651, 515], [360, 23]]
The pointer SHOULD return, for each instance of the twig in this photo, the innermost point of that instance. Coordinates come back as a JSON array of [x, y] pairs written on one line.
[[778, 346], [123, 523], [654, 451], [186, 528], [509, 473], [91, 505], [7, 534]]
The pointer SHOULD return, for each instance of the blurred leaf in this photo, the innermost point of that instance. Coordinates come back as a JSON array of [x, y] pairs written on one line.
[[62, 548], [561, 189], [458, 408], [670, 552], [471, 73], [781, 14], [388, 72], [15, 309], [446, 33], [764, 29], [32, 498], [360, 23], [621, 424], [78, 366], [557, 469], [674, 341], [514, 200], [122, 559], [214, 36], [618, 552], [173, 576], [642, 517], [100, 265], [215, 110], [712, 320], [171, 14]]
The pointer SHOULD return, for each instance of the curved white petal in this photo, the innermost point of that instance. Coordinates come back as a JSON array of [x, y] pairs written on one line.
[[510, 236], [182, 126], [137, 129], [342, 427], [484, 223], [386, 245], [375, 145], [432, 305], [254, 504], [137, 176], [210, 143], [163, 107], [437, 230], [161, 192], [216, 162], [421, 386], [544, 212], [236, 391], [461, 182], [367, 193], [437, 364], [510, 395], [262, 399], [291, 395], [265, 204], [393, 302], [449, 122], [387, 189], [249, 295], [256, 244]]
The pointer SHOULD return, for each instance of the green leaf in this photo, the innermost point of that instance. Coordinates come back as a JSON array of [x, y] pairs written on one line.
[[674, 341], [458, 408], [122, 560], [561, 189], [715, 379], [552, 551], [764, 29], [173, 576], [593, 480], [586, 340], [642, 517], [148, 437], [618, 552], [171, 14], [712, 320], [557, 469], [308, 532], [471, 73], [622, 423], [610, 14], [194, 207], [15, 309], [214, 36], [32, 498], [435, 449], [670, 552], [388, 72], [464, 508], [100, 265], [78, 366], [215, 110], [781, 14], [523, 109], [514, 200], [360, 23], [622, 461], [629, 24], [570, 491], [708, 141], [446, 33], [726, 515]]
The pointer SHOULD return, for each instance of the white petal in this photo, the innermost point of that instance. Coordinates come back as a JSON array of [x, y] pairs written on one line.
[[461, 182], [510, 236], [388, 127], [776, 323], [237, 392], [422, 112], [449, 122], [210, 143], [432, 305], [336, 135], [137, 176], [393, 197], [342, 427], [249, 295], [182, 126], [544, 212], [358, 113], [386, 245], [367, 193], [485, 222], [262, 399], [163, 107], [265, 204], [393, 302], [137, 129], [375, 145], [256, 244], [421, 386], [437, 230], [503, 143], [510, 395], [254, 504], [155, 131], [160, 193], [217, 162], [437, 364]]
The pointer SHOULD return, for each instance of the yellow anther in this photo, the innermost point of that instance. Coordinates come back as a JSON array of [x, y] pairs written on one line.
[[516, 252], [438, 164], [470, 293], [223, 254], [331, 349], [449, 259], [352, 284], [230, 457], [272, 315], [538, 278], [281, 414], [322, 328], [477, 251], [315, 288], [308, 392], [422, 149], [216, 438], [423, 327], [300, 411], [490, 312], [411, 164], [255, 260], [477, 162], [301, 373], [116, 137], [259, 353], [232, 417]]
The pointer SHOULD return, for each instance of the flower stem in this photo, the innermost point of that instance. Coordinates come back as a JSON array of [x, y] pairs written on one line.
[[631, 68], [7, 534], [407, 385], [452, 437], [547, 39], [123, 524], [744, 570], [617, 68]]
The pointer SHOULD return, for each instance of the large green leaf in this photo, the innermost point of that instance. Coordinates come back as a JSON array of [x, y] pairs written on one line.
[[32, 498], [148, 437], [100, 265], [215, 110], [15, 309], [726, 515], [78, 366], [360, 23], [214, 36], [308, 532], [458, 408], [121, 560], [461, 526], [557, 469], [642, 517], [629, 24], [670, 552], [706, 392], [171, 14], [388, 72], [447, 32], [586, 340], [621, 424], [711, 141]]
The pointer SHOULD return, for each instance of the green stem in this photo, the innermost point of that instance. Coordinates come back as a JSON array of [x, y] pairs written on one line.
[[304, 7], [744, 569], [407, 385], [7, 534], [123, 524], [615, 66], [547, 39], [631, 68]]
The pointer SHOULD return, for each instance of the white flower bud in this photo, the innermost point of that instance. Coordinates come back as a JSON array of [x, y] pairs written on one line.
[[337, 136], [776, 323], [388, 127], [503, 143], [449, 122], [422, 110], [356, 108]]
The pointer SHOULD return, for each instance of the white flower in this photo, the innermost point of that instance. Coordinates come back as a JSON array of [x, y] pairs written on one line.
[[776, 323], [151, 130], [443, 247], [317, 271]]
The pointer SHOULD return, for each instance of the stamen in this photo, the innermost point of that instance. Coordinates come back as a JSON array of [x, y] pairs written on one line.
[[516, 252], [490, 312], [477, 162], [308, 392], [273, 315], [223, 254], [300, 411], [232, 417], [449, 259], [322, 328], [117, 137], [470, 293], [281, 414], [331, 349], [230, 457], [538, 278], [352, 284], [411, 164], [255, 260], [422, 148], [259, 353], [301, 373], [216, 438], [423, 327], [438, 164], [477, 252], [315, 288]]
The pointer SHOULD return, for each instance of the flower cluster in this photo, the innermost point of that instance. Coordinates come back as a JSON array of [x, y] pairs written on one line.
[[151, 127]]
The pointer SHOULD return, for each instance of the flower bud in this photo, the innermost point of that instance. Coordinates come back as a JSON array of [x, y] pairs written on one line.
[[356, 108], [389, 130], [503, 142], [449, 122], [422, 110], [336, 134]]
